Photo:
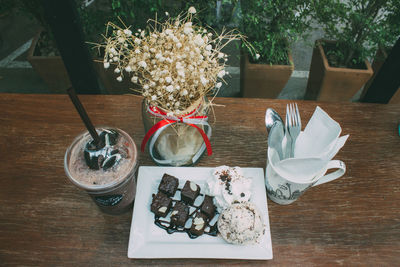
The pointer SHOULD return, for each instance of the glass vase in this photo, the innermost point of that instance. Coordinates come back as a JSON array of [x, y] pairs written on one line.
[[176, 139]]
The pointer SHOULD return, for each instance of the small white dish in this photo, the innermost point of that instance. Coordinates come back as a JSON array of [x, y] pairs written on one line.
[[147, 240]]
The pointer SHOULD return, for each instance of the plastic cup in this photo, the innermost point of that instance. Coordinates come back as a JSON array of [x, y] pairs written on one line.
[[115, 196]]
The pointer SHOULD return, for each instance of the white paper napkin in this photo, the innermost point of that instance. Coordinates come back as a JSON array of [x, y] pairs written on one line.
[[314, 148], [319, 137]]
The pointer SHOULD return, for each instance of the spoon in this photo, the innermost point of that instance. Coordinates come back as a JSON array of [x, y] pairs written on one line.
[[275, 137], [271, 116]]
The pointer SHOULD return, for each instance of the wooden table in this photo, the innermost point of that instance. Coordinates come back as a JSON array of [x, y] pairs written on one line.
[[45, 220]]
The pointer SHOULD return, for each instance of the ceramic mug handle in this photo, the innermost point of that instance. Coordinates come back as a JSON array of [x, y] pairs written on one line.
[[333, 164]]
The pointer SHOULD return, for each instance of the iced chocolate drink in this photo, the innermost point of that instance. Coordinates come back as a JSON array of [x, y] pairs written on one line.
[[105, 170]]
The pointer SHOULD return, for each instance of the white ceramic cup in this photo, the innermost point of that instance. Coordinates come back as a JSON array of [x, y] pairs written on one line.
[[284, 189]]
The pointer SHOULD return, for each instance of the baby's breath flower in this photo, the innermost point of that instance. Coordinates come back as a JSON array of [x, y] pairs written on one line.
[[119, 78], [221, 74], [203, 80], [198, 40], [128, 32], [181, 73], [192, 10], [142, 64], [106, 65], [117, 70], [218, 85], [187, 30]]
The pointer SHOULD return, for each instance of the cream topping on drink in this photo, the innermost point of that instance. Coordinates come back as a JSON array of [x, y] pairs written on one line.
[[228, 185], [81, 172]]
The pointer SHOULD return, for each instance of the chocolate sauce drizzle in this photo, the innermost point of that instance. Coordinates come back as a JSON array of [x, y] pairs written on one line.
[[170, 228]]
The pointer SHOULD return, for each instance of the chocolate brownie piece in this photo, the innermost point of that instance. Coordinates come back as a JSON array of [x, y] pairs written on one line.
[[190, 192], [207, 207], [180, 214], [161, 204], [168, 185], [199, 223]]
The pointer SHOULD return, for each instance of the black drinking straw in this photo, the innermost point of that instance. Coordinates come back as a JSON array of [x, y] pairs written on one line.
[[83, 114]]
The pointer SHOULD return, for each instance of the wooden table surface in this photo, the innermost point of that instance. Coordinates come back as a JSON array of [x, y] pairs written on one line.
[[46, 220]]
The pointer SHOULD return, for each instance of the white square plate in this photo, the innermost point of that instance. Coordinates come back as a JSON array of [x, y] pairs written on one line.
[[147, 240]]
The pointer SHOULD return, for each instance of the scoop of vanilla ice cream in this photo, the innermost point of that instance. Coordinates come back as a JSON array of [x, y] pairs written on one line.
[[228, 185], [241, 223]]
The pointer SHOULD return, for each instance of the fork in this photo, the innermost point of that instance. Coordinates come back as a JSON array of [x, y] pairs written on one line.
[[293, 125]]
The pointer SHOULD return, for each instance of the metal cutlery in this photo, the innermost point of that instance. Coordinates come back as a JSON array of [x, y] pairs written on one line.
[[275, 129], [293, 127], [271, 116], [275, 138]]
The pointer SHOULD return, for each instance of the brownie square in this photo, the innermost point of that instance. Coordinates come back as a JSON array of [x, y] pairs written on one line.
[[207, 207], [168, 185], [180, 214], [190, 192], [161, 204], [199, 223]]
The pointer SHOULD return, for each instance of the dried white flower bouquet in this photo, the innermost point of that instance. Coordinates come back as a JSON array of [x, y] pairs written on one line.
[[176, 64]]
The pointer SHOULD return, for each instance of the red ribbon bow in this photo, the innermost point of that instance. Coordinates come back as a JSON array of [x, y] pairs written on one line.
[[171, 120]]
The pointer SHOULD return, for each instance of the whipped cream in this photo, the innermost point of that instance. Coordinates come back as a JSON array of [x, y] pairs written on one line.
[[228, 185]]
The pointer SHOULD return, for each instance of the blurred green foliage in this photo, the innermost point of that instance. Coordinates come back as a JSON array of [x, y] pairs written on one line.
[[6, 6], [358, 27], [136, 13], [272, 26]]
